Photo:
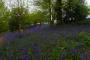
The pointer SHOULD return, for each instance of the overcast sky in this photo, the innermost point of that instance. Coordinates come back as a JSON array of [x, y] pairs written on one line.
[[10, 3], [88, 2]]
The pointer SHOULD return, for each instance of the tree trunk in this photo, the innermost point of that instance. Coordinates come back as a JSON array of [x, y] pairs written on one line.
[[50, 13], [59, 12]]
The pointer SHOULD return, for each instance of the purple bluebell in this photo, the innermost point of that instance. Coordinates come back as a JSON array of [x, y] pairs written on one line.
[[75, 51], [36, 50], [26, 57], [85, 56], [9, 36]]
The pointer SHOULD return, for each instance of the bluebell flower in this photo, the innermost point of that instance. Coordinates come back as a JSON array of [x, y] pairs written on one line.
[[9, 36], [36, 50], [26, 57], [85, 56], [75, 51]]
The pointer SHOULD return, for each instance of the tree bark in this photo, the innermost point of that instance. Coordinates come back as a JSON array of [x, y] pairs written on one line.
[[59, 12]]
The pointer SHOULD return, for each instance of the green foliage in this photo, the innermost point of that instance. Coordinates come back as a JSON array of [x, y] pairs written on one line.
[[47, 7], [4, 16], [38, 17], [76, 10], [82, 11], [64, 11], [84, 38], [61, 11], [60, 49], [19, 19], [84, 23], [58, 11]]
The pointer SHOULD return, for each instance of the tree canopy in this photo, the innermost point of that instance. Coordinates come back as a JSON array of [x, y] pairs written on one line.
[[61, 11]]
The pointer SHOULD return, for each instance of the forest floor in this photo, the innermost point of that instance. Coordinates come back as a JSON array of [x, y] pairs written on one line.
[[43, 39]]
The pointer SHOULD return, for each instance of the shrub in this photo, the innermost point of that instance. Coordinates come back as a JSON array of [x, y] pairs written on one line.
[[19, 19]]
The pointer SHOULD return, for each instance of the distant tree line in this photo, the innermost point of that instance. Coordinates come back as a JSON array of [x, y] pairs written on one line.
[[18, 17], [61, 11], [64, 11]]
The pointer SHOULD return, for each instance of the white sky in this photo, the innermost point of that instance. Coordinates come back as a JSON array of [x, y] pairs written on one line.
[[88, 2]]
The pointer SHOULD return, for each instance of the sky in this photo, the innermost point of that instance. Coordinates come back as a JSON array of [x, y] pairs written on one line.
[[30, 4], [88, 2], [10, 3]]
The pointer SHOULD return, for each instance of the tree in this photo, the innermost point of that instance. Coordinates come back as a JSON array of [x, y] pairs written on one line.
[[37, 17], [20, 17], [75, 10], [58, 11], [47, 7], [4, 16]]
